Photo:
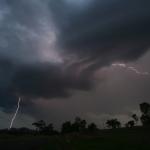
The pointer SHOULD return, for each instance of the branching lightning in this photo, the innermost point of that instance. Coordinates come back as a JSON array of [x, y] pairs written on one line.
[[131, 68], [16, 112]]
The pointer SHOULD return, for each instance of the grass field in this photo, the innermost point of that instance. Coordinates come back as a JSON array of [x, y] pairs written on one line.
[[122, 139]]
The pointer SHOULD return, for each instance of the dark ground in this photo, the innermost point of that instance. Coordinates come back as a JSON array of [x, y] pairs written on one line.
[[119, 139]]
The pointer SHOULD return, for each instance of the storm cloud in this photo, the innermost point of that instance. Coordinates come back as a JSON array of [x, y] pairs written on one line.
[[112, 29], [49, 48]]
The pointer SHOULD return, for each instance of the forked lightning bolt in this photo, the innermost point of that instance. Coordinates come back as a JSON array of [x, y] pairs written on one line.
[[16, 112], [131, 68]]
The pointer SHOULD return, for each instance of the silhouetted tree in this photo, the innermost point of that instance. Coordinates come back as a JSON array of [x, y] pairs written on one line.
[[66, 127], [83, 125], [40, 125], [135, 117], [48, 129], [79, 125], [113, 123], [130, 124], [92, 127], [145, 109], [145, 119]]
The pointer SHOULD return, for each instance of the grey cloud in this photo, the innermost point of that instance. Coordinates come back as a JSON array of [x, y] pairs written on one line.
[[113, 30], [40, 80], [46, 81], [97, 34]]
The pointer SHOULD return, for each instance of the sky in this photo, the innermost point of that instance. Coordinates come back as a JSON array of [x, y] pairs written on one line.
[[67, 58]]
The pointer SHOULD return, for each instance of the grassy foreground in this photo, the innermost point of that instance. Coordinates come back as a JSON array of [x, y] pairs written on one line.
[[120, 139]]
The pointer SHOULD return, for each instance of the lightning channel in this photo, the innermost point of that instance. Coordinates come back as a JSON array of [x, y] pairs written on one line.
[[16, 112], [131, 68]]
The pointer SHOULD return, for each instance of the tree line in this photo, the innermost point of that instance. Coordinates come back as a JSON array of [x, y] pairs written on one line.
[[81, 126], [144, 118], [78, 125]]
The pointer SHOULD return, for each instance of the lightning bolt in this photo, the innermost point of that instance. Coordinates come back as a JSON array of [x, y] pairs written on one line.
[[16, 112], [131, 68]]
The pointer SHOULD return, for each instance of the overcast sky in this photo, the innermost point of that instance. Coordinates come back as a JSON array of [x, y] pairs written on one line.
[[68, 58]]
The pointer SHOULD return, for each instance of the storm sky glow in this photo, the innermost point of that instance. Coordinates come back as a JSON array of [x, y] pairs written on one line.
[[59, 55]]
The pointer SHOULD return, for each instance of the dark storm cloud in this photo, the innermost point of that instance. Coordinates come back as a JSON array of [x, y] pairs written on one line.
[[112, 29], [34, 81], [6, 72], [46, 81], [95, 34]]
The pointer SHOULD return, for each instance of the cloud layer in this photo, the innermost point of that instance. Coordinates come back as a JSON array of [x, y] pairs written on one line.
[[49, 48]]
